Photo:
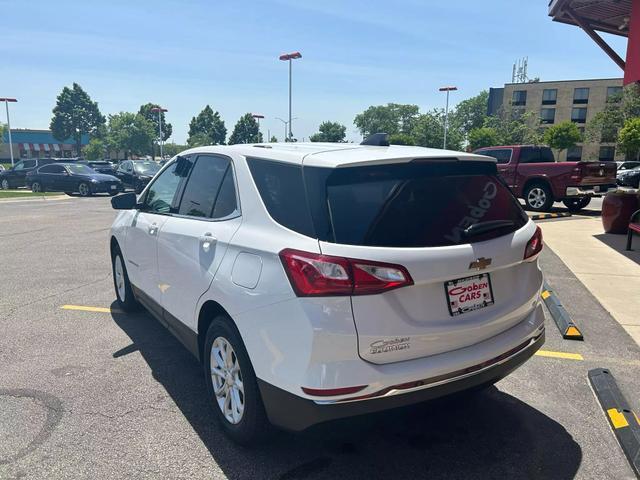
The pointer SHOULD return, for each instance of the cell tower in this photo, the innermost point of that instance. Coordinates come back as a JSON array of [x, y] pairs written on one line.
[[519, 74]]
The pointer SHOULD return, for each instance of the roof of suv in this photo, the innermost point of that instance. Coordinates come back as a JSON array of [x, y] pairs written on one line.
[[337, 154]]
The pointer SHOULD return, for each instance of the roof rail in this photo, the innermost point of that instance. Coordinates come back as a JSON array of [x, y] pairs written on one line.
[[377, 140]]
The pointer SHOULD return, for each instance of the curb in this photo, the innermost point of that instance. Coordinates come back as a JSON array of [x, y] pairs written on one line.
[[567, 327], [623, 421], [544, 216]]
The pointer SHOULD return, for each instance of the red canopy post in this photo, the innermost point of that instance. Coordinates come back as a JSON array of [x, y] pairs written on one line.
[[632, 70]]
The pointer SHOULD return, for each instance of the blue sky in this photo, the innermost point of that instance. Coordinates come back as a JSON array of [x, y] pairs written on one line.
[[184, 54]]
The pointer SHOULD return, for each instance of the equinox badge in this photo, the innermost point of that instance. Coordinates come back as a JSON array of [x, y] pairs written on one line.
[[480, 264]]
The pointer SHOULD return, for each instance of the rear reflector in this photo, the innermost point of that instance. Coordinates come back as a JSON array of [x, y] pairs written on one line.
[[330, 392], [534, 245], [312, 274]]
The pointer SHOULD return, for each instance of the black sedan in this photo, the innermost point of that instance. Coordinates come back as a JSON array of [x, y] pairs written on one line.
[[100, 166], [70, 178], [136, 173], [629, 178]]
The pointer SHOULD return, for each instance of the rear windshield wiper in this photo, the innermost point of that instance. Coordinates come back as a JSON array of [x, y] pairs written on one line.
[[483, 227]]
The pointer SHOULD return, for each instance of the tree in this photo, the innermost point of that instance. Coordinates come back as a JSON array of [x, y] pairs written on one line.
[[391, 118], [130, 132], [605, 125], [208, 126], [470, 114], [515, 127], [401, 139], [483, 137], [273, 139], [2, 130], [172, 149], [95, 150], [245, 131], [167, 128], [429, 131], [562, 136], [329, 132], [75, 115], [629, 138]]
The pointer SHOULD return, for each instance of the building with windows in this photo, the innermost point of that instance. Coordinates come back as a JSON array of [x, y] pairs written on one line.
[[37, 144], [556, 102]]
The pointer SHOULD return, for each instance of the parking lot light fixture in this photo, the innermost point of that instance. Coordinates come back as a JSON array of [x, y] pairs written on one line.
[[288, 57], [257, 117], [6, 105], [446, 113], [160, 111]]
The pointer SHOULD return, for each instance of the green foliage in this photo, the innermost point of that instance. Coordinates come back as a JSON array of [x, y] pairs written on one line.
[[74, 115], [329, 132], [245, 131], [95, 150], [515, 127], [401, 139], [562, 136], [391, 118], [173, 149], [167, 128], [130, 132], [629, 138], [3, 127], [483, 137], [207, 129], [470, 114], [605, 125], [273, 139], [428, 131]]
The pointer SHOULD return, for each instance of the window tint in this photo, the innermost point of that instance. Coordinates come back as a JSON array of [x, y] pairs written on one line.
[[282, 190], [502, 155], [51, 169], [203, 185], [529, 154], [519, 98], [574, 154], [410, 205], [549, 96], [161, 193], [547, 115], [607, 154], [29, 164], [579, 115], [581, 95], [226, 202]]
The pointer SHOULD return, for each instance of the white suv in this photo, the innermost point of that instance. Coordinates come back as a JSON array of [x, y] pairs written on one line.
[[319, 281]]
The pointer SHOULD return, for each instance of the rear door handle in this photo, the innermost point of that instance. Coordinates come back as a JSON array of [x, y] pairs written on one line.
[[153, 229], [207, 240]]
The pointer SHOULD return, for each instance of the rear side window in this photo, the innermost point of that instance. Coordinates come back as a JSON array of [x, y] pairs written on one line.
[[282, 190], [203, 186], [411, 205], [536, 155], [51, 169], [502, 155]]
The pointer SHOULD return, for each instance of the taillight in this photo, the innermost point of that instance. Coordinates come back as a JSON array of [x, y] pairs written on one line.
[[534, 245], [577, 173], [312, 274]]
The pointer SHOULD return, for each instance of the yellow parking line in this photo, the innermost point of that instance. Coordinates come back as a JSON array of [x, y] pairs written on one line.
[[565, 355], [84, 308]]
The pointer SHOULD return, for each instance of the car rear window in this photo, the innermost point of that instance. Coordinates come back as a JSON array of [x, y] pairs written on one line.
[[417, 204]]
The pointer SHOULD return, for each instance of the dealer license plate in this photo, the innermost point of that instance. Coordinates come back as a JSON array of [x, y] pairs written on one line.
[[469, 294]]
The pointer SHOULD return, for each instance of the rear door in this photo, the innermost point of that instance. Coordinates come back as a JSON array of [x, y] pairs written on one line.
[[192, 243], [465, 288], [505, 162]]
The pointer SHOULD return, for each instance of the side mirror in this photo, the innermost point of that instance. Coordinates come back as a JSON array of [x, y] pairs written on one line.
[[124, 201]]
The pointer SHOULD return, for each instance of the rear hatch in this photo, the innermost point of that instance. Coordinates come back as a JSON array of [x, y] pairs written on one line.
[[467, 284], [596, 173]]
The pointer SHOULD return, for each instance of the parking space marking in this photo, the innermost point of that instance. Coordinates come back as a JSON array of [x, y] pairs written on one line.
[[565, 355], [84, 308]]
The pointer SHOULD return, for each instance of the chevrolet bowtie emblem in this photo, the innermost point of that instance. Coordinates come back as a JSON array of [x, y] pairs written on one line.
[[480, 264]]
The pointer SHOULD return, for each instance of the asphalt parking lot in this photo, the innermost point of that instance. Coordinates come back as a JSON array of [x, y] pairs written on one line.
[[99, 394]]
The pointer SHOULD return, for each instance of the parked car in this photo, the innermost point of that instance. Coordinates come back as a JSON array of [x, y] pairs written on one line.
[[15, 177], [629, 178], [317, 282], [628, 165], [136, 173], [100, 166], [533, 175], [71, 178]]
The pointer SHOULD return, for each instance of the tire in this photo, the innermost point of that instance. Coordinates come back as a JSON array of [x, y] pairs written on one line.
[[538, 197], [5, 184], [84, 189], [576, 204], [251, 424], [36, 187], [121, 284], [113, 194], [69, 193]]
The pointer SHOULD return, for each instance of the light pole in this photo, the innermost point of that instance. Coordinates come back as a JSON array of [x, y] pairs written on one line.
[[258, 116], [6, 104], [285, 125], [287, 57], [446, 113], [160, 111]]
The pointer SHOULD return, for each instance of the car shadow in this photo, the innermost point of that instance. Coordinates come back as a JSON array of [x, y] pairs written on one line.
[[488, 434], [618, 242]]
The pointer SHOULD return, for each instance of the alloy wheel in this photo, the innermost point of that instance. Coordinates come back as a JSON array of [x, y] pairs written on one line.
[[5, 184], [83, 189], [120, 286], [226, 377], [35, 187], [537, 197]]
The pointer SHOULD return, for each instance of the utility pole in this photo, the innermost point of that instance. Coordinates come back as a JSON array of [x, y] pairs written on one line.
[[160, 111], [446, 113]]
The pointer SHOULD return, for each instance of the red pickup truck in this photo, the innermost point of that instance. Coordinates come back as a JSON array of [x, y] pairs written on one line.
[[533, 175]]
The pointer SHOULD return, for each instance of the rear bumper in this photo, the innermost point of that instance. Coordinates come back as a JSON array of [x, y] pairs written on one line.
[[590, 190], [105, 188], [292, 412]]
